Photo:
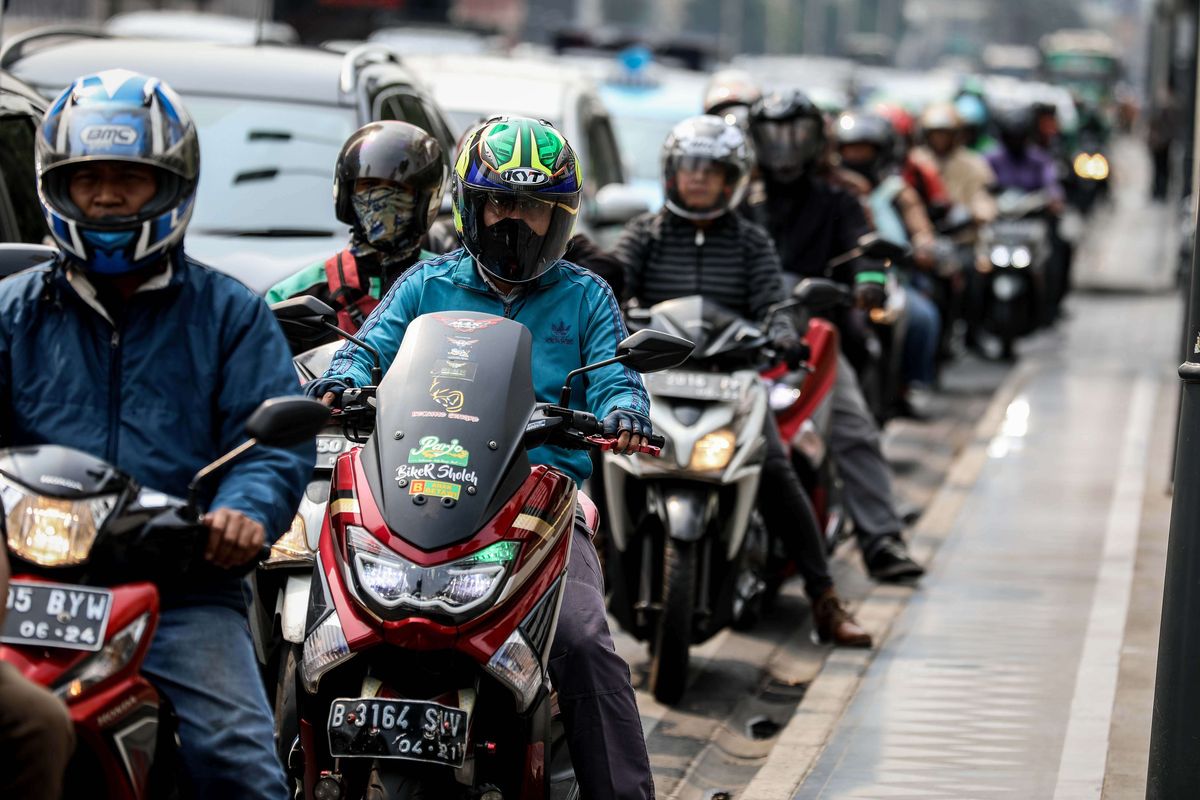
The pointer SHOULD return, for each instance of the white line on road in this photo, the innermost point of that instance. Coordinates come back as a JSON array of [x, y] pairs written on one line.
[[1085, 748]]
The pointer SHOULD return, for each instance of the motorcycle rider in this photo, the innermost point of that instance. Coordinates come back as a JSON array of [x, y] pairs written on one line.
[[36, 733], [387, 186], [516, 196], [966, 175], [696, 244], [865, 144], [811, 223], [95, 349], [973, 112]]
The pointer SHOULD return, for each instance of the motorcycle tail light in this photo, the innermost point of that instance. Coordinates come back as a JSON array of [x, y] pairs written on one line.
[[516, 665], [104, 663], [49, 531]]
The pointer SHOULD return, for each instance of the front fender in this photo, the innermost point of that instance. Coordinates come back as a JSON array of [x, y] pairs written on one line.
[[686, 511]]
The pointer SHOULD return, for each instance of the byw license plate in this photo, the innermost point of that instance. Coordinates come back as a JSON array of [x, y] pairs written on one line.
[[56, 615], [385, 728]]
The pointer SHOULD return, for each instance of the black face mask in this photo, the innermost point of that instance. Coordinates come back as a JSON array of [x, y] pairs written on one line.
[[867, 169], [511, 249]]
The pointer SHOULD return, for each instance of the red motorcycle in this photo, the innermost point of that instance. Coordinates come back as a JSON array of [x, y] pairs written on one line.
[[803, 404], [89, 548], [440, 569]]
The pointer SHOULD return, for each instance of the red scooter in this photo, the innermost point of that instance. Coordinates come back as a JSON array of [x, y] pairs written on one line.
[[440, 569], [89, 547], [803, 404]]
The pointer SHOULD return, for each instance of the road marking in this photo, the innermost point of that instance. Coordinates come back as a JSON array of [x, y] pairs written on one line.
[[1085, 747]]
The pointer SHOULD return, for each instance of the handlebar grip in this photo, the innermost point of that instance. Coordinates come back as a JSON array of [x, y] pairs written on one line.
[[652, 448], [656, 441]]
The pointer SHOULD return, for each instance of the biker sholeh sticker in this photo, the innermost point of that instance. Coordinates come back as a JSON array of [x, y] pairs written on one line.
[[432, 450], [436, 472], [435, 489]]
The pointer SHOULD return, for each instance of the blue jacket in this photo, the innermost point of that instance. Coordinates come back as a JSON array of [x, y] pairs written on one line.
[[571, 312], [159, 393]]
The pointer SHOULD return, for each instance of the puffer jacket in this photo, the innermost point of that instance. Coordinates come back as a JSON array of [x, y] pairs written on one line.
[[160, 391]]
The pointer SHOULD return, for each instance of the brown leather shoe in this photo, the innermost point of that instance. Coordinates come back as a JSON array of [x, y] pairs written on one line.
[[833, 623]]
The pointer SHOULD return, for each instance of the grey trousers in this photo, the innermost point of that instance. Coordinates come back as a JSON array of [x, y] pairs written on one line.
[[600, 714], [855, 444]]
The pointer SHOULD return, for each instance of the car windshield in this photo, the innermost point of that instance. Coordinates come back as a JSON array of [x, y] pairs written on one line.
[[267, 166], [641, 140]]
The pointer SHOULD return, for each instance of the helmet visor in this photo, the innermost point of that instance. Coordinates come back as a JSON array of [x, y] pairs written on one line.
[[515, 236], [787, 146], [698, 187]]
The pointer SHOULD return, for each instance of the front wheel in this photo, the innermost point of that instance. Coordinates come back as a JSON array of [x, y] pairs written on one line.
[[669, 666], [383, 784]]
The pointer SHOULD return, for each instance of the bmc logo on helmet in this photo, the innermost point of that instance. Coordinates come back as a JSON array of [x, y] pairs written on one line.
[[523, 176], [109, 135]]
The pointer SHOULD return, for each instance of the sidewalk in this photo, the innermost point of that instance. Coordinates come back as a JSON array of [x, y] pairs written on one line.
[[1024, 665]]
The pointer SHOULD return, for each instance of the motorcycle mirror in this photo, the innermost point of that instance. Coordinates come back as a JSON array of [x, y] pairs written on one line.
[[644, 351], [884, 249], [15, 257], [820, 293], [653, 351], [277, 422], [286, 421], [301, 316]]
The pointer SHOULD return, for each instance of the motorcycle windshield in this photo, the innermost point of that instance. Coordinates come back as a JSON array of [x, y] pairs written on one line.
[[713, 327], [51, 470], [448, 448]]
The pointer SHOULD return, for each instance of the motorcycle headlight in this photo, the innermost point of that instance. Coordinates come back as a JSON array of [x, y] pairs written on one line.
[[448, 590], [106, 662], [1021, 257], [49, 531], [1001, 257], [713, 452], [782, 396], [516, 665], [291, 549]]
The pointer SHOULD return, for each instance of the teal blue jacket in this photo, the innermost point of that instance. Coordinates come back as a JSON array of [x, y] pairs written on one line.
[[571, 313]]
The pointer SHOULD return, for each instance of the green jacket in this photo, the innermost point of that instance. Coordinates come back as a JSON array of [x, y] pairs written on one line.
[[311, 280]]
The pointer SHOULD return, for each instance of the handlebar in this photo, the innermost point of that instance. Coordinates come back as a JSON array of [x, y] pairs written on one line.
[[653, 448]]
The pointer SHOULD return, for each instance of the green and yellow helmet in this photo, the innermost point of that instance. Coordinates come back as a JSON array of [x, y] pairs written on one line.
[[516, 196]]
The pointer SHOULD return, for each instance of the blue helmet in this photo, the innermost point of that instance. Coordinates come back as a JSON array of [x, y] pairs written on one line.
[[118, 115], [971, 110]]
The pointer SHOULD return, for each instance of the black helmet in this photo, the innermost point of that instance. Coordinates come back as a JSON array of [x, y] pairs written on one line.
[[701, 141], [1014, 123], [408, 162], [858, 127], [788, 132]]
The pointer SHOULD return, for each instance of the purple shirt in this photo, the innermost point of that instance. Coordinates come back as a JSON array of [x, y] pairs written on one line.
[[1033, 171]]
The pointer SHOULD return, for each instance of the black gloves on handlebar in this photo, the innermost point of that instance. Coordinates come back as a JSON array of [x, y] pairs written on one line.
[[625, 420], [791, 348]]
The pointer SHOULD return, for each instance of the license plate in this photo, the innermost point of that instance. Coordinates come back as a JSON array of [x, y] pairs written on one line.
[[694, 385], [56, 615], [411, 729]]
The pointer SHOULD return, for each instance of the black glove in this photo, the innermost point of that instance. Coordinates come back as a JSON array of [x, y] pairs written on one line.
[[791, 349], [868, 295], [625, 421]]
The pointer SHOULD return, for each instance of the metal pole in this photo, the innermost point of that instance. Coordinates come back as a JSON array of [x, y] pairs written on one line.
[[1174, 771]]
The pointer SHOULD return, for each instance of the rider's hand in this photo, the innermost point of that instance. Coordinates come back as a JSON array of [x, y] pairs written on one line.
[[630, 428], [869, 295], [791, 349], [233, 538], [330, 399]]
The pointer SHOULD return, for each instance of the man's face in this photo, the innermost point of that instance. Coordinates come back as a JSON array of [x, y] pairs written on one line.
[[700, 184], [940, 142], [112, 188], [534, 212]]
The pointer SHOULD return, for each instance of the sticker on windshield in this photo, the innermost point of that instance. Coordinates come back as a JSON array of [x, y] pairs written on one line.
[[465, 324], [432, 450], [459, 370], [450, 399], [435, 489], [436, 473], [461, 341]]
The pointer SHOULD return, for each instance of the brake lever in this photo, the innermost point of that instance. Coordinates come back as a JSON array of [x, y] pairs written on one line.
[[607, 443]]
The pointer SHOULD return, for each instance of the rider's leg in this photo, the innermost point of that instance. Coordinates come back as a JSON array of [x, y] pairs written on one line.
[[604, 729], [202, 659], [36, 738]]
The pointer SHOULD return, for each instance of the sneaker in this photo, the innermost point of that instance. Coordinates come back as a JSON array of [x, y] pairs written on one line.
[[832, 623], [891, 563]]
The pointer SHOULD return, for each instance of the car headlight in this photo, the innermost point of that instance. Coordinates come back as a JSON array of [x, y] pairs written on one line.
[[1001, 256], [782, 396], [713, 451], [324, 649], [49, 531], [106, 662], [1021, 257], [448, 590], [516, 665], [291, 549]]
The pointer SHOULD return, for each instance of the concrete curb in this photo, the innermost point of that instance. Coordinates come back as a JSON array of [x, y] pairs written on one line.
[[803, 739]]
